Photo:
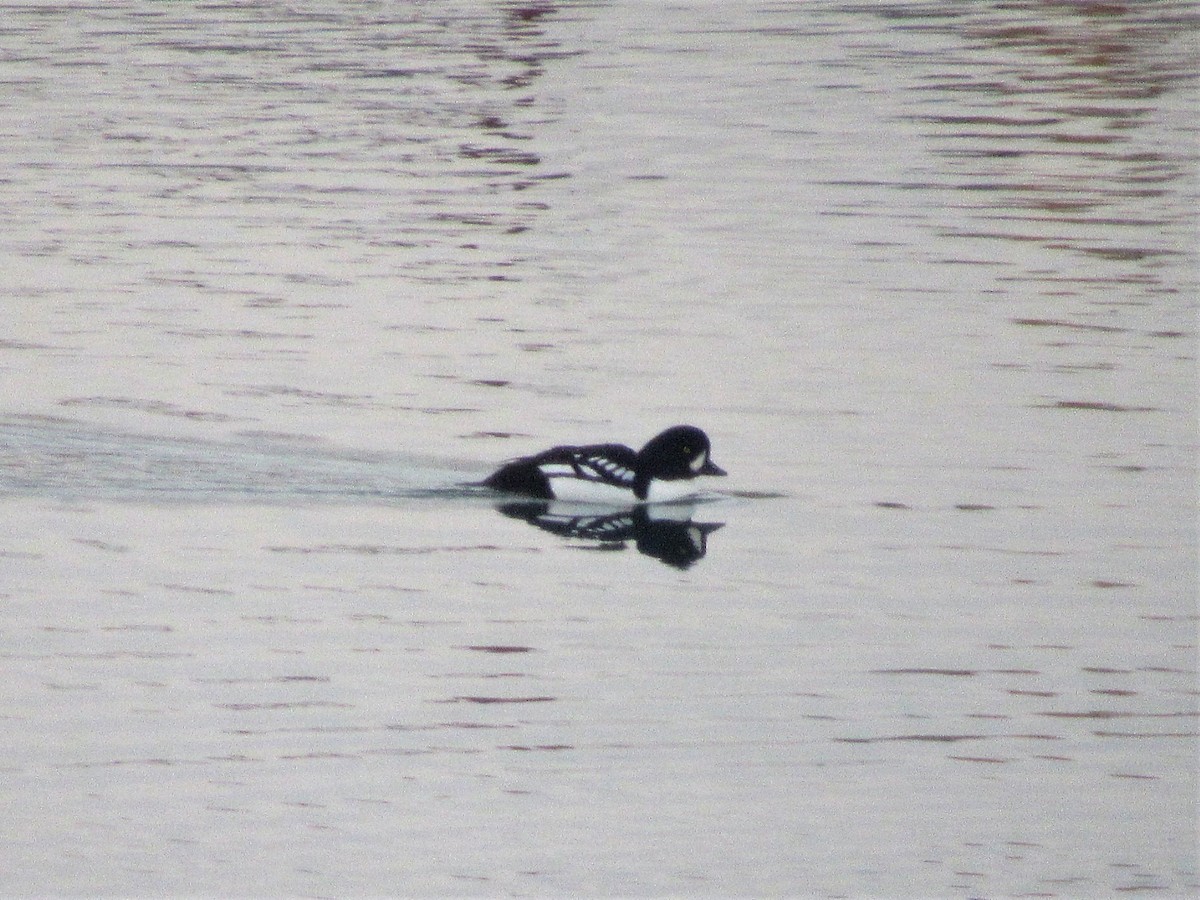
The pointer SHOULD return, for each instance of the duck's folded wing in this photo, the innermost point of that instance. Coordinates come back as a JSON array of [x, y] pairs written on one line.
[[613, 464]]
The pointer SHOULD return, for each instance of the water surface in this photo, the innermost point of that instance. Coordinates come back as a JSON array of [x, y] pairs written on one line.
[[280, 281]]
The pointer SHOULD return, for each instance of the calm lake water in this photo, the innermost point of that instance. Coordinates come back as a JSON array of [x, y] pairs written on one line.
[[279, 278]]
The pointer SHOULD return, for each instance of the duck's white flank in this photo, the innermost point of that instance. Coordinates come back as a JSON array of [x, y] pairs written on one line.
[[579, 490]]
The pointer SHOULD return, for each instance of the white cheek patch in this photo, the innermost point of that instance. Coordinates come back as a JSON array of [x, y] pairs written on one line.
[[698, 463]]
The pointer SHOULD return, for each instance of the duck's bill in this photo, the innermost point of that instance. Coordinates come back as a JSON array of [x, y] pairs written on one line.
[[711, 468]]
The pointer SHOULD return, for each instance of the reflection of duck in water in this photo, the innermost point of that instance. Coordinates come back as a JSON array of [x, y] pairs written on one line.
[[664, 470], [665, 532]]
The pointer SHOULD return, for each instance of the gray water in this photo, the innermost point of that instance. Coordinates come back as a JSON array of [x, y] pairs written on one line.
[[279, 280]]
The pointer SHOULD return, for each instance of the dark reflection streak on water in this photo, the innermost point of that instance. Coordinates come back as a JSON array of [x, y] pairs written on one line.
[[1057, 105], [1059, 143], [454, 110]]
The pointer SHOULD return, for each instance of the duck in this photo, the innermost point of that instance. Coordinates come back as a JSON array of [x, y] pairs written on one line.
[[665, 470]]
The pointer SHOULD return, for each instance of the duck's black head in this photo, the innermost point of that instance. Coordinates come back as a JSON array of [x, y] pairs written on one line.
[[679, 452]]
